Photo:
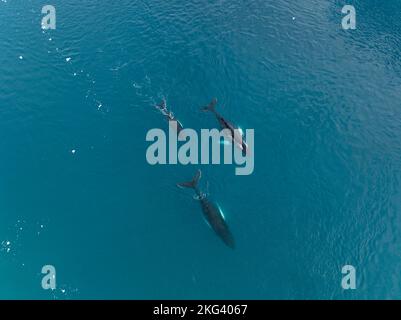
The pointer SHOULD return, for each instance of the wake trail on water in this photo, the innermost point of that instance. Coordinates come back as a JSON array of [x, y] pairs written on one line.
[[72, 68]]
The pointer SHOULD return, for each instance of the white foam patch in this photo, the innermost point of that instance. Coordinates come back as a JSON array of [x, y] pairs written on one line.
[[5, 246]]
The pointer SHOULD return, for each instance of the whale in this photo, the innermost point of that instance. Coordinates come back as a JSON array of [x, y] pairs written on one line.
[[162, 107], [211, 212], [235, 133]]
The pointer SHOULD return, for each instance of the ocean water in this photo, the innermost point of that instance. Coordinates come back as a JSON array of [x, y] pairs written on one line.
[[76, 191]]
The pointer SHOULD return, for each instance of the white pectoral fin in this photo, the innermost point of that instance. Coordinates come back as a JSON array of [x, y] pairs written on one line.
[[225, 142], [228, 141], [207, 222], [222, 213]]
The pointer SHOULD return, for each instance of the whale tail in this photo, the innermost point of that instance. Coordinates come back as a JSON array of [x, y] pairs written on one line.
[[161, 105], [193, 183], [211, 107]]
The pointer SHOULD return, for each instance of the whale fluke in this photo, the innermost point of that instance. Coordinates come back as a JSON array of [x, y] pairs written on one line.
[[193, 183], [211, 106], [162, 105]]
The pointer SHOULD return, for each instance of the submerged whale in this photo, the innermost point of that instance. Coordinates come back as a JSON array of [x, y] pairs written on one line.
[[236, 135], [211, 212], [162, 107]]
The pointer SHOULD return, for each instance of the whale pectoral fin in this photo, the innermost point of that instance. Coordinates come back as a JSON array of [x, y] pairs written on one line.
[[208, 224], [226, 142]]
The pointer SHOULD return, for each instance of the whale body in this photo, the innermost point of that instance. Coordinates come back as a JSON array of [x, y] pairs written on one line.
[[211, 212]]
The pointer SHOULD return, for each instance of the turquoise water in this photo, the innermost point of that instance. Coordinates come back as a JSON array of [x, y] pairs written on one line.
[[76, 191]]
